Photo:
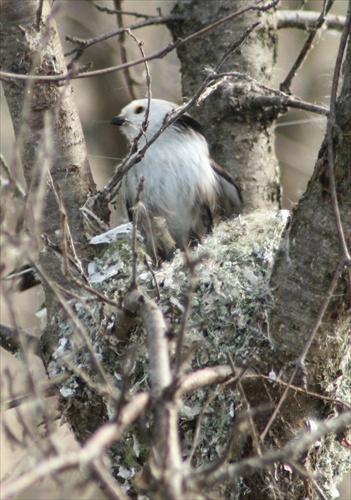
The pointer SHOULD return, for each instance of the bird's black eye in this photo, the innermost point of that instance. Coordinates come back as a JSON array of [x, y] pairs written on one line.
[[139, 109]]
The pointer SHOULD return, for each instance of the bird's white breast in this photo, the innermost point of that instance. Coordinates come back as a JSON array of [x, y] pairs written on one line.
[[177, 171]]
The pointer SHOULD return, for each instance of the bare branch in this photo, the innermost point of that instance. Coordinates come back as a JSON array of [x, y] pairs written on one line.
[[110, 485], [39, 14], [6, 76], [48, 389], [92, 450], [187, 308], [282, 102], [124, 12], [167, 456], [134, 234], [160, 370], [285, 85], [206, 376], [278, 99], [130, 82], [78, 328], [153, 20], [305, 20], [290, 451]]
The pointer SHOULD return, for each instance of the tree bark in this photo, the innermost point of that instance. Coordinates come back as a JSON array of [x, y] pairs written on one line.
[[31, 46], [241, 141], [310, 251]]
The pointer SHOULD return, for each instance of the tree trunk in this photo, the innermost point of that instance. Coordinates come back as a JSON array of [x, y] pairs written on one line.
[[311, 251], [31, 46], [241, 141]]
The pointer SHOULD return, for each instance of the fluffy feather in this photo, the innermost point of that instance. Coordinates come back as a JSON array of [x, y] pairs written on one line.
[[182, 183]]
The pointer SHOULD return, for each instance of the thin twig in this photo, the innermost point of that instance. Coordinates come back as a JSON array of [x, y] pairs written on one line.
[[9, 339], [278, 98], [131, 159], [133, 284], [191, 264], [254, 435], [299, 389], [109, 393], [93, 449], [123, 51], [156, 55], [77, 325], [294, 448], [200, 418], [48, 389], [305, 20], [223, 375], [144, 126], [147, 74], [39, 14], [282, 102], [124, 12], [109, 484], [151, 271], [257, 6], [33, 387], [301, 360], [286, 84], [16, 187], [145, 123], [87, 288], [215, 24], [307, 475], [152, 21], [67, 239]]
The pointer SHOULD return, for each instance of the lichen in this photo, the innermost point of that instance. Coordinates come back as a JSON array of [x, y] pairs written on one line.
[[229, 315], [229, 310]]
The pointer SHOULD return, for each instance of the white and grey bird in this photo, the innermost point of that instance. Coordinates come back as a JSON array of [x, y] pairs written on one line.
[[182, 185]]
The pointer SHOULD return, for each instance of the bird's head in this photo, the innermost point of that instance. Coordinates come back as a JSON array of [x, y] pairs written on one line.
[[132, 117]]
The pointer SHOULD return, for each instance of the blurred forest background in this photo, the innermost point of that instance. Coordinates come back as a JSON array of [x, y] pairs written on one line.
[[298, 134]]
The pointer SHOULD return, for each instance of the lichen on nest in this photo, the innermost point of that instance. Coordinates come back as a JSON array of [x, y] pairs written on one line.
[[229, 310], [230, 300], [231, 296]]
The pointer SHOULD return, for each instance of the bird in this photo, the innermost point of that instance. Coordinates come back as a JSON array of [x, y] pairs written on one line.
[[184, 189]]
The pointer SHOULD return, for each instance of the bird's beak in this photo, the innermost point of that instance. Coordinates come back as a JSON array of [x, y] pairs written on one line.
[[118, 120]]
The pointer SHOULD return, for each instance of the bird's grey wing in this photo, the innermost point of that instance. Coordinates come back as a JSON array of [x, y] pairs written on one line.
[[229, 200]]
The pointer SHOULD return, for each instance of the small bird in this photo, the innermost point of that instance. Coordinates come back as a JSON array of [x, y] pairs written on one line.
[[183, 186]]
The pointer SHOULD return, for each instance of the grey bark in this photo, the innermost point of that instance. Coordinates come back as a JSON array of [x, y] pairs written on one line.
[[29, 47], [310, 251], [241, 142]]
